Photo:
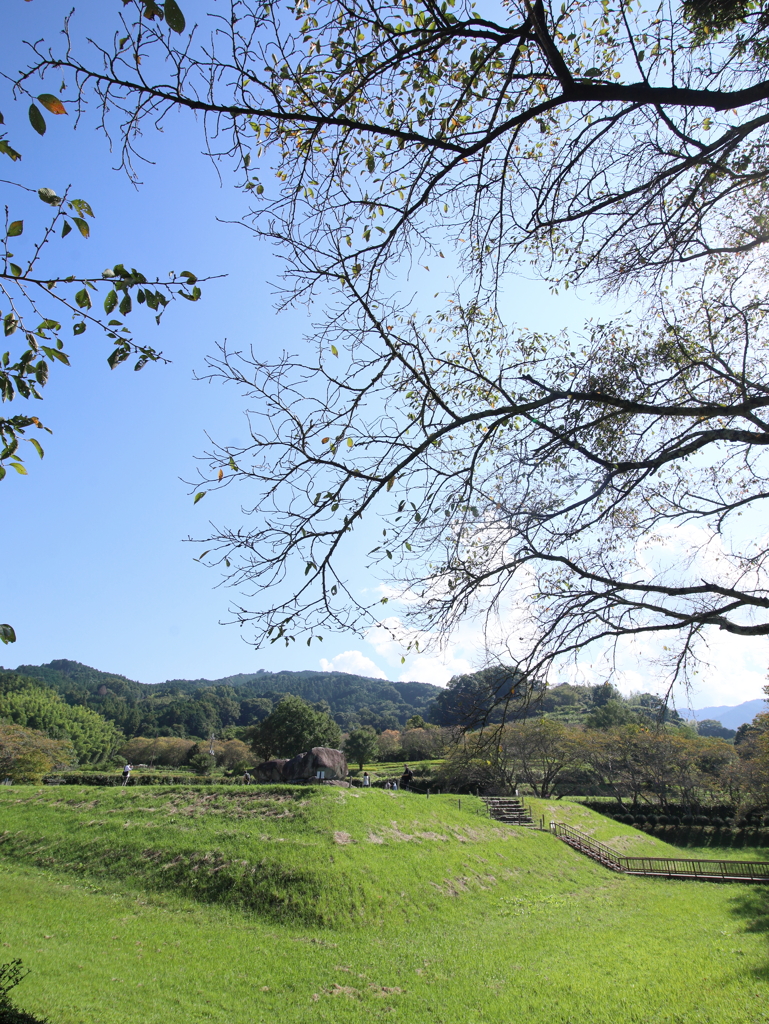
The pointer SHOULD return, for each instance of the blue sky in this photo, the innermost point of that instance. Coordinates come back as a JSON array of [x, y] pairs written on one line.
[[94, 564]]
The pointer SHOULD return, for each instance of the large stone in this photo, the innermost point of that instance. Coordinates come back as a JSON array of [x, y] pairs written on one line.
[[270, 771], [306, 766]]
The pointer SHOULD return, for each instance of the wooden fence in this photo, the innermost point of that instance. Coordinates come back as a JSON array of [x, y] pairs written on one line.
[[663, 867]]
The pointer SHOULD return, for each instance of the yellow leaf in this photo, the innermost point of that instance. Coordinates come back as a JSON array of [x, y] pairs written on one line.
[[52, 103]]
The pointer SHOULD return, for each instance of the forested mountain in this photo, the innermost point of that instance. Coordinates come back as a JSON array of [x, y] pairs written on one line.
[[196, 708], [199, 707]]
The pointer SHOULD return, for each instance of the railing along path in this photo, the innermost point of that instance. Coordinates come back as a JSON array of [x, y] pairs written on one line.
[[664, 867]]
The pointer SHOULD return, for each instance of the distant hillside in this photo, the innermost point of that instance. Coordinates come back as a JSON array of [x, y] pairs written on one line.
[[197, 707], [730, 716]]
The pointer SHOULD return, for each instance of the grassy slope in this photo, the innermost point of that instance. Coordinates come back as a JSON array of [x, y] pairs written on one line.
[[487, 924], [633, 842]]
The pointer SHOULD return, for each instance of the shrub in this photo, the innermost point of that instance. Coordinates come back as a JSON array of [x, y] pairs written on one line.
[[233, 754], [26, 755], [688, 819], [202, 763], [10, 976]]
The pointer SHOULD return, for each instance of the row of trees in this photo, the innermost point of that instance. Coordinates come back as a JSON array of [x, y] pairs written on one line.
[[633, 763], [174, 752]]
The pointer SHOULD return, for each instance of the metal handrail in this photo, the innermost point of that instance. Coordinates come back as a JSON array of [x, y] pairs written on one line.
[[669, 867]]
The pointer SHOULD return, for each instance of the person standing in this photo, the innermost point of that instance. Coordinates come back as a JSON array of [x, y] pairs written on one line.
[[366, 780], [246, 779], [127, 773]]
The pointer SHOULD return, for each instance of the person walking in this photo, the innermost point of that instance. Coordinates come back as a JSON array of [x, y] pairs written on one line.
[[407, 777], [246, 778], [127, 773]]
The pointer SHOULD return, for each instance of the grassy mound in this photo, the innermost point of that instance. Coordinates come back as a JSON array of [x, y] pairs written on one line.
[[187, 907], [311, 854]]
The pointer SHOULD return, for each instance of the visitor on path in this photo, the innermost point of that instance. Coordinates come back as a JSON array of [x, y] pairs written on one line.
[[127, 773], [387, 785], [393, 784], [366, 780], [246, 779], [407, 777]]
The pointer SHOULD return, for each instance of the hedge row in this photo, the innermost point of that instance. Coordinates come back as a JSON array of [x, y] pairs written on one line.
[[703, 814], [116, 779]]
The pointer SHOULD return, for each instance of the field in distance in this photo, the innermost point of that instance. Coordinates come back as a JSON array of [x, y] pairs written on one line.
[[173, 905]]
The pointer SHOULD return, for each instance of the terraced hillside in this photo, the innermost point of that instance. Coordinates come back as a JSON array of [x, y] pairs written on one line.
[[182, 906]]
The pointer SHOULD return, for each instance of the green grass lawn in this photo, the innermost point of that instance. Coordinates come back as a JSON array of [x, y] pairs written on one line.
[[172, 906]]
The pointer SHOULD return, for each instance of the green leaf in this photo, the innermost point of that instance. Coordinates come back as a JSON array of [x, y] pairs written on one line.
[[198, 496], [111, 301], [78, 328], [19, 468], [10, 323], [36, 445], [52, 103], [41, 372], [15, 228], [65, 229], [125, 304], [82, 207], [82, 226], [7, 634], [118, 356], [334, 350], [2, 472], [9, 150], [36, 119], [49, 196], [174, 17], [15, 269], [83, 299]]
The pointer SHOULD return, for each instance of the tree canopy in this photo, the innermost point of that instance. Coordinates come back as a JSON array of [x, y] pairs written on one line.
[[592, 481], [293, 728], [361, 746]]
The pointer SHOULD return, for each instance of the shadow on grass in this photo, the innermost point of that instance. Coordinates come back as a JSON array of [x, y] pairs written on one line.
[[752, 907]]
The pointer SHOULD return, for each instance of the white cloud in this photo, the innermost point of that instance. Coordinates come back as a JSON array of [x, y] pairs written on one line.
[[434, 669], [354, 662]]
